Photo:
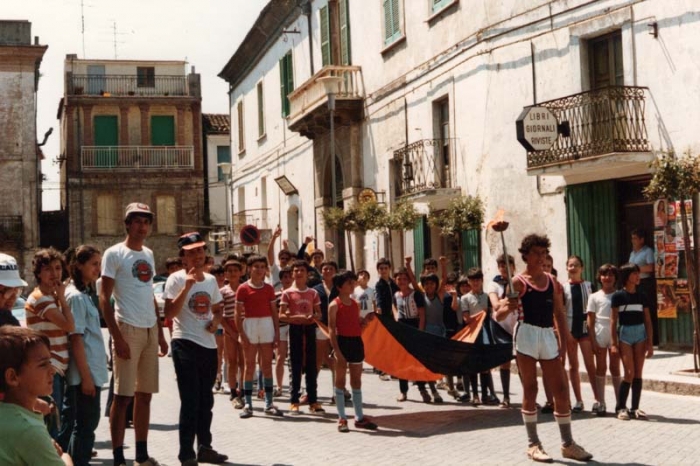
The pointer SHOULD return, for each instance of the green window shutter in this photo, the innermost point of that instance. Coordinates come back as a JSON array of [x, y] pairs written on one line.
[[591, 217], [261, 110], [471, 249], [223, 155], [421, 243], [162, 130], [286, 81], [344, 33], [106, 133], [439, 5], [326, 58], [392, 24]]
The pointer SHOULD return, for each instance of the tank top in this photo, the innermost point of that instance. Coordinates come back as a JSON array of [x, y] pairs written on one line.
[[347, 319], [537, 305]]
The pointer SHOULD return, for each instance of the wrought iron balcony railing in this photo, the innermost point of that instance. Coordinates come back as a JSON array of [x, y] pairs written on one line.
[[600, 122], [137, 157], [256, 217], [423, 165], [127, 85], [11, 229]]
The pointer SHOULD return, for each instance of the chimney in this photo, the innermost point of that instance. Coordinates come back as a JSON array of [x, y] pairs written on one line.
[[36, 40]]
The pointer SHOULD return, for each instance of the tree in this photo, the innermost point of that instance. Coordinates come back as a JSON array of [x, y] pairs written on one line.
[[678, 179], [463, 213]]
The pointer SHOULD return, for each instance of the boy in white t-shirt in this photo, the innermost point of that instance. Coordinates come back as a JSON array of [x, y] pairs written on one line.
[[364, 294], [194, 302]]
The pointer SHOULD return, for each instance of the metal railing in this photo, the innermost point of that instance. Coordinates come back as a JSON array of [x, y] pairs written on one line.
[[601, 121], [311, 93], [423, 165], [127, 85], [256, 217], [137, 157], [11, 229]]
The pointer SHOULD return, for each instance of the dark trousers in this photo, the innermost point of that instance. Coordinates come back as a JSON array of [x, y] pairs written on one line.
[[195, 367], [403, 384], [648, 287], [302, 353], [80, 418]]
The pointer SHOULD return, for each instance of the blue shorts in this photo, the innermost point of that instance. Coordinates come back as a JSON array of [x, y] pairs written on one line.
[[632, 334]]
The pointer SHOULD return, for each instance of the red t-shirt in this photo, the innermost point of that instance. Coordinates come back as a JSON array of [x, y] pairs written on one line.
[[347, 319], [256, 301], [300, 302]]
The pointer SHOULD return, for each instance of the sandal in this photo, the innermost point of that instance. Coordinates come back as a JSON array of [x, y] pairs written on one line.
[[639, 414]]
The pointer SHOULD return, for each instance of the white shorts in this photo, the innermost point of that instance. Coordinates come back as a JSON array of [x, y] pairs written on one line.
[[539, 343], [259, 330], [320, 335], [284, 333], [602, 335]]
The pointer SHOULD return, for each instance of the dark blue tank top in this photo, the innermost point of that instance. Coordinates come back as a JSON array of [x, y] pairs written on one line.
[[537, 306]]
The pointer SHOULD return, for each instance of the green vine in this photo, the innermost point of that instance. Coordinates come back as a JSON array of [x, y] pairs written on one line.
[[463, 213]]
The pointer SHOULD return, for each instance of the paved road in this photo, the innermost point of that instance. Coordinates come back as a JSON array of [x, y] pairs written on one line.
[[417, 433]]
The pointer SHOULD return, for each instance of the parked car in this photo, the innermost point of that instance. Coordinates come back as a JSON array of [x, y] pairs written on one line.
[[18, 311], [158, 289]]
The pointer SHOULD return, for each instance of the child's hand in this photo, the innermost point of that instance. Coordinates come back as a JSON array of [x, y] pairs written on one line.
[[614, 349], [60, 288], [58, 448], [443, 260], [650, 350], [408, 260], [87, 387], [211, 328]]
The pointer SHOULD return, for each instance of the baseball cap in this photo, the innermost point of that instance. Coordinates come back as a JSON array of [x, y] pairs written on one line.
[[9, 272], [137, 208], [190, 240]]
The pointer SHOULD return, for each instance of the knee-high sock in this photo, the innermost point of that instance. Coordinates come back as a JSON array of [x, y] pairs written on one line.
[[474, 382], [564, 423], [616, 380], [622, 397], [340, 402], [600, 387], [357, 404], [248, 393], [636, 393], [530, 420], [268, 383], [505, 382]]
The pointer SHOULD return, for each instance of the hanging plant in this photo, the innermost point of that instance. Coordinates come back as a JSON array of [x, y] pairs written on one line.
[[403, 217], [463, 213], [334, 218], [369, 215]]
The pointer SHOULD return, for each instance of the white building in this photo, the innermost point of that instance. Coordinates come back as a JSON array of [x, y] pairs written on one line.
[[430, 94], [217, 151]]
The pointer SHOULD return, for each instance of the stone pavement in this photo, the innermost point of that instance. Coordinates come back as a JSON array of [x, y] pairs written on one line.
[[418, 433]]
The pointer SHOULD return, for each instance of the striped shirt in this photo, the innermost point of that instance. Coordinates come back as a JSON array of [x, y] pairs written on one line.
[[229, 301], [38, 304]]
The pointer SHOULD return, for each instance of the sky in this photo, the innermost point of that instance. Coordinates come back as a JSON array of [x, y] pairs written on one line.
[[205, 33]]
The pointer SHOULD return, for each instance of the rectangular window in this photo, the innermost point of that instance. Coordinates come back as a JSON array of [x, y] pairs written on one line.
[[605, 61], [286, 81], [345, 57], [437, 5], [223, 155], [166, 216], [241, 128], [443, 158], [145, 76], [162, 130], [261, 110], [326, 54], [108, 216], [392, 21]]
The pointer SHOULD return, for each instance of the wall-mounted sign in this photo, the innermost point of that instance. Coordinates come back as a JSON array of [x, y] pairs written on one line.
[[536, 128]]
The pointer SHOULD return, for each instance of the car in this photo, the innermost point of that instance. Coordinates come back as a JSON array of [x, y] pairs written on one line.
[[158, 289], [18, 311]]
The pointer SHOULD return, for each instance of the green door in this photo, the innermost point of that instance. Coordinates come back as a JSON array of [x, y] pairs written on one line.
[[421, 244], [592, 221], [162, 130], [106, 134], [471, 249]]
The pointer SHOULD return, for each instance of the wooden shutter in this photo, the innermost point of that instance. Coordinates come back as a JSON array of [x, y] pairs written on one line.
[[261, 110], [471, 249], [286, 81], [162, 130], [591, 217], [326, 58], [106, 133], [421, 243], [241, 128], [107, 215], [166, 217], [344, 33], [392, 23]]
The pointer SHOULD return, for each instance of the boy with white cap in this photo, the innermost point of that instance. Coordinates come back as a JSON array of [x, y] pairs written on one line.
[[11, 285]]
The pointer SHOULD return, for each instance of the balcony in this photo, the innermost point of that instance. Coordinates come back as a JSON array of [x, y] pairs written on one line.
[[127, 85], [308, 109], [11, 230], [607, 134], [255, 217], [425, 169], [137, 158]]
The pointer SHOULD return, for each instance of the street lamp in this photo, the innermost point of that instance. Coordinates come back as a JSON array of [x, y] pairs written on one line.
[[331, 85], [225, 168]]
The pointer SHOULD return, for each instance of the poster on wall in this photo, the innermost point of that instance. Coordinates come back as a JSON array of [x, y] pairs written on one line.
[[666, 299], [670, 265], [661, 212]]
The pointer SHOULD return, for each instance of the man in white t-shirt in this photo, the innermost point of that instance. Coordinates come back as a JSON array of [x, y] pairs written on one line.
[[284, 257], [194, 303], [364, 294], [127, 275]]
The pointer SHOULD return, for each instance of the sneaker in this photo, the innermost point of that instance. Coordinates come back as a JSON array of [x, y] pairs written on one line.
[[595, 408], [437, 398], [238, 403], [426, 397], [492, 400], [476, 401], [537, 453], [316, 408], [365, 423], [294, 409], [343, 425], [639, 414], [578, 407], [575, 451], [548, 408], [209, 455], [385, 377], [273, 411], [505, 404], [465, 398], [601, 410], [441, 385], [246, 413], [277, 392], [623, 415], [148, 462], [401, 397]]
